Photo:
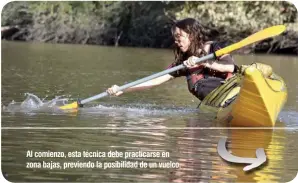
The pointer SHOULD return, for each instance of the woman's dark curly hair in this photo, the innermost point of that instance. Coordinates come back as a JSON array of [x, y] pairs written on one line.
[[198, 36]]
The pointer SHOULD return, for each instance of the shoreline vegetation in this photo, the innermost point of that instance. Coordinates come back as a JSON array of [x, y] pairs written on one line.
[[148, 23]]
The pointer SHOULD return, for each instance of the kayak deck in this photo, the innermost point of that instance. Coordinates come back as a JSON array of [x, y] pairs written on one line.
[[253, 98]]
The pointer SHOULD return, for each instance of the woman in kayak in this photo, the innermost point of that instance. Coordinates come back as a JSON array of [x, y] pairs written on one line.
[[190, 43]]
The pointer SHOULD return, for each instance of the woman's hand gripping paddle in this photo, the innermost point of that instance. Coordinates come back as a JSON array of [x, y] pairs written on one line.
[[261, 35]]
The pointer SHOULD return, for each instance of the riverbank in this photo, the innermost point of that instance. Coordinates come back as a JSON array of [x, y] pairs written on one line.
[[148, 24], [287, 43]]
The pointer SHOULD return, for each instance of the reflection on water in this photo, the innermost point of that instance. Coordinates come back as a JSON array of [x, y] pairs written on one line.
[[202, 163], [161, 119], [194, 150]]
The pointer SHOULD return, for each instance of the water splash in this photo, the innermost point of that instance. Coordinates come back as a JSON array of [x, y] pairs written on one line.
[[32, 104], [137, 109]]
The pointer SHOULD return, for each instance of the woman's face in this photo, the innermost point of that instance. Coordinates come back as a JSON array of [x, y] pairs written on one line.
[[181, 39]]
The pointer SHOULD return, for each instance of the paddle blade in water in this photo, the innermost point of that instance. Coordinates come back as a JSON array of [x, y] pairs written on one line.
[[73, 105], [263, 34]]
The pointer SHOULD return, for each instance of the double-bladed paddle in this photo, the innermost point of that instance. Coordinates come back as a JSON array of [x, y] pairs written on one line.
[[261, 35]]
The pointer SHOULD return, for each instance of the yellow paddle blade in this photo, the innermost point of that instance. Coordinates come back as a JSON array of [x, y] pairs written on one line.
[[73, 105], [263, 34]]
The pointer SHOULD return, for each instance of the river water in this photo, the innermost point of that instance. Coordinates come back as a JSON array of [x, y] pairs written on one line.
[[162, 119]]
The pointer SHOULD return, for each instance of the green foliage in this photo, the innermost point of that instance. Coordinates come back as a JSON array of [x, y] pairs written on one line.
[[140, 23], [241, 16], [16, 13], [235, 20], [98, 22]]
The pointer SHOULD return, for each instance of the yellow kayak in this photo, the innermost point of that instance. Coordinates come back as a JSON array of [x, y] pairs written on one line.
[[253, 97]]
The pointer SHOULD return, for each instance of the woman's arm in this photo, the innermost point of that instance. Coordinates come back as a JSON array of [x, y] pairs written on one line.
[[142, 86], [224, 64], [151, 83]]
